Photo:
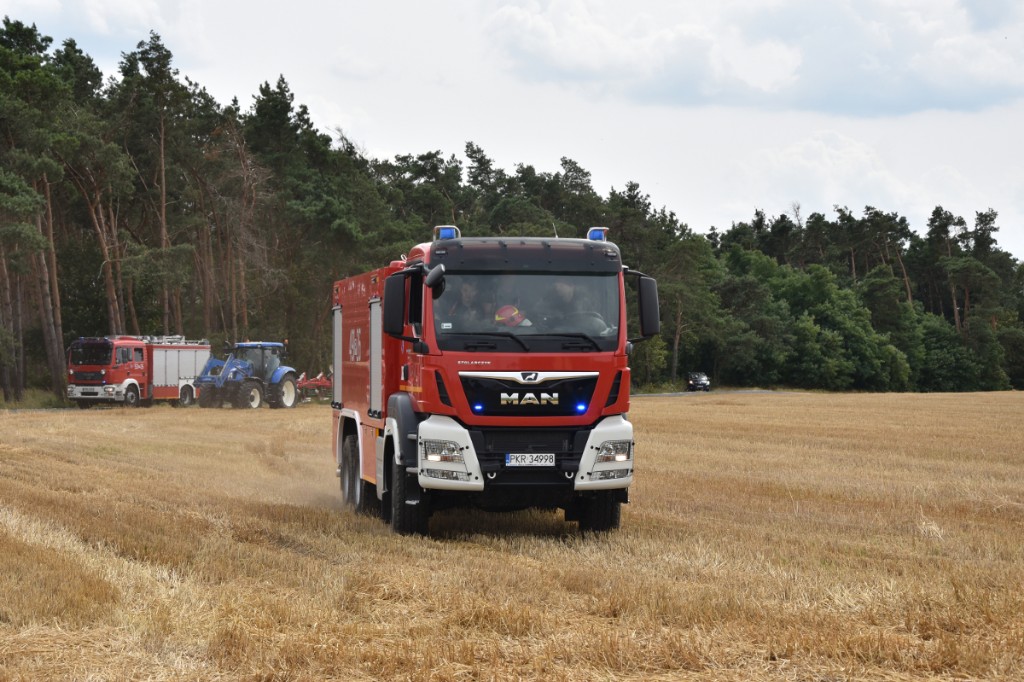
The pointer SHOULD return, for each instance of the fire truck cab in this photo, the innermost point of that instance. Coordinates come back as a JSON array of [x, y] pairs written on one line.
[[488, 372]]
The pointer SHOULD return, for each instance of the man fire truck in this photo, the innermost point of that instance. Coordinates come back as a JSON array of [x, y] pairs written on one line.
[[134, 370], [488, 372]]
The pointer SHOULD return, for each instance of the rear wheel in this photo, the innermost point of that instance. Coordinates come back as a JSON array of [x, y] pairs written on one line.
[[409, 516], [351, 490], [287, 393], [600, 513], [186, 397], [250, 395]]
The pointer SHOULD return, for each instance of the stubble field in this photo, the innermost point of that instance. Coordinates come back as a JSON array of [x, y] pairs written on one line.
[[770, 536]]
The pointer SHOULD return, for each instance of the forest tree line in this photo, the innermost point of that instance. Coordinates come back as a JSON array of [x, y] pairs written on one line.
[[137, 204]]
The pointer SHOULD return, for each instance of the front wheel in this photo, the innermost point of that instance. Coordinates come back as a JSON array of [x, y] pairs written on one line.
[[208, 397], [131, 397], [408, 516], [601, 512], [250, 395]]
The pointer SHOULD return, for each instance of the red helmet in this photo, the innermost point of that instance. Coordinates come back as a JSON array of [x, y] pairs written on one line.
[[508, 315]]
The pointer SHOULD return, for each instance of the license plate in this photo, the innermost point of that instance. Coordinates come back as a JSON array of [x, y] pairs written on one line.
[[530, 459]]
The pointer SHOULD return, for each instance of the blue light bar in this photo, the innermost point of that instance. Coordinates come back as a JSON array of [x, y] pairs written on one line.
[[446, 232], [597, 234]]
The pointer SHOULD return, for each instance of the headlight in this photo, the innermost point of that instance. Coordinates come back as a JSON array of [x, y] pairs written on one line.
[[446, 475], [442, 451], [615, 451], [610, 474]]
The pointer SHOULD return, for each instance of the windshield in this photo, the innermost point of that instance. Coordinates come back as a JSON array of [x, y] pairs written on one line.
[[91, 353], [253, 356], [531, 312]]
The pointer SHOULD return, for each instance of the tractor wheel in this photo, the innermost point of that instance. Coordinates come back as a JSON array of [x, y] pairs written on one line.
[[131, 397], [187, 397], [287, 393], [250, 395], [208, 397], [600, 513], [406, 518]]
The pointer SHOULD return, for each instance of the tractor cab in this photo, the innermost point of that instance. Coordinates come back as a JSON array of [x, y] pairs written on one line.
[[264, 358]]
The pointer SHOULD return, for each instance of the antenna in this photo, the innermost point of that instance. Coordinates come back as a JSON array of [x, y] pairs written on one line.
[[554, 229]]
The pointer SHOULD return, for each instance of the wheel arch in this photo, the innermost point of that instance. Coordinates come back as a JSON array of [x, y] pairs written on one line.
[[405, 424], [280, 374], [348, 425]]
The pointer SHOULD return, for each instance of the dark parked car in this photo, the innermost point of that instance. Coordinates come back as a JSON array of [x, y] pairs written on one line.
[[698, 381]]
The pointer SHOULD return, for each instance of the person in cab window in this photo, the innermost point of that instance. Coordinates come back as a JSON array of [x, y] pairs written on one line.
[[511, 316], [468, 310], [563, 299]]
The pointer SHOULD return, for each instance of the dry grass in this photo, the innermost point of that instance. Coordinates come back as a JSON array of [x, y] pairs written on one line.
[[771, 536]]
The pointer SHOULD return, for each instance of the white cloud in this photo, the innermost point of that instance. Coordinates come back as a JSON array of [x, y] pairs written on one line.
[[766, 66], [109, 16], [892, 57]]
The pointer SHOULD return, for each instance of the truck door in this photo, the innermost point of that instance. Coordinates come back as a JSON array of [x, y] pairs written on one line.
[[141, 372]]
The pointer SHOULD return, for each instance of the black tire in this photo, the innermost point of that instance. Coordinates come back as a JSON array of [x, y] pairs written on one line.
[[208, 397], [600, 513], [250, 395], [351, 490], [406, 519], [131, 397], [83, 404], [187, 397], [286, 394]]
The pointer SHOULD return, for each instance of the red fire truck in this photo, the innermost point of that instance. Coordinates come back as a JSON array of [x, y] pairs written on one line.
[[488, 372], [134, 370]]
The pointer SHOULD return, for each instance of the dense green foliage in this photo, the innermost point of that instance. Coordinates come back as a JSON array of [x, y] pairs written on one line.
[[141, 205]]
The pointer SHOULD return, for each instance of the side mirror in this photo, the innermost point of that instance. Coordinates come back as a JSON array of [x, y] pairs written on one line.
[[650, 310], [394, 305], [435, 276]]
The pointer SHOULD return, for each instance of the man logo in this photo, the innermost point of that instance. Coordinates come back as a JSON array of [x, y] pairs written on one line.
[[529, 377], [529, 399]]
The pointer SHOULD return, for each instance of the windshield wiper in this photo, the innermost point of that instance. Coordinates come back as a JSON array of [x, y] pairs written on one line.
[[573, 335], [500, 335]]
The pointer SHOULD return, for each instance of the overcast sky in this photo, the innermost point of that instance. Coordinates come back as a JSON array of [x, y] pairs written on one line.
[[715, 108]]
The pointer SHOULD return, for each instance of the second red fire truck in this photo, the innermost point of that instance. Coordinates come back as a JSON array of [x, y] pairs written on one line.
[[489, 372], [134, 370]]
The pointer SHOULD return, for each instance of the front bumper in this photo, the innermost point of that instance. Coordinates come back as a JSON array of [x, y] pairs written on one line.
[[108, 393], [447, 459]]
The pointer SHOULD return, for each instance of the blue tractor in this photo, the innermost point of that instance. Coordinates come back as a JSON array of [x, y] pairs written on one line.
[[252, 373]]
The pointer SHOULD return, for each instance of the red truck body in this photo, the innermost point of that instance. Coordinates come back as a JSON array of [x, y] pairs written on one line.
[[133, 370], [511, 408]]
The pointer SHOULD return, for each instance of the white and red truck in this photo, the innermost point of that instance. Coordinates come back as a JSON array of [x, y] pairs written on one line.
[[134, 370], [488, 372]]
